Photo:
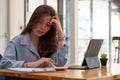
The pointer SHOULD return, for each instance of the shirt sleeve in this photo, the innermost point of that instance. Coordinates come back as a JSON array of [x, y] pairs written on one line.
[[60, 57], [9, 58]]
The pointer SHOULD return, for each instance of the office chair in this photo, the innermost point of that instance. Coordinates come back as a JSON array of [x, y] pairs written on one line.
[[116, 42]]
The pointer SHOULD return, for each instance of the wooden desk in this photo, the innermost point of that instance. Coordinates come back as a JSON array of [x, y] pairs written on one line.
[[111, 72]]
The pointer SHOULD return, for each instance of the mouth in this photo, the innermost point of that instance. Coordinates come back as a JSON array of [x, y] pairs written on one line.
[[40, 32]]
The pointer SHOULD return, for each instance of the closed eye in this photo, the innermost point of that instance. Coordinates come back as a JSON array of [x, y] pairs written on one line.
[[48, 24]]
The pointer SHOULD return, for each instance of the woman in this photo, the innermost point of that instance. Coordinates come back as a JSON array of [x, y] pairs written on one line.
[[41, 44]]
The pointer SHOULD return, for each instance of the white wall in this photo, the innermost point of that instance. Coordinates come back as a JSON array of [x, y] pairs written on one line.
[[11, 19], [16, 17], [73, 31], [3, 25]]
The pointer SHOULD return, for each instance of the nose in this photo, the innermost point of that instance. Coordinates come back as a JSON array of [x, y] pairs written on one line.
[[43, 26]]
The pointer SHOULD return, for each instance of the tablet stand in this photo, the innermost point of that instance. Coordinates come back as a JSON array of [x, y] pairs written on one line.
[[91, 62]]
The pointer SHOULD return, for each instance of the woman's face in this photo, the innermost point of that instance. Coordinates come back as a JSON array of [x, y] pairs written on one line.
[[42, 27]]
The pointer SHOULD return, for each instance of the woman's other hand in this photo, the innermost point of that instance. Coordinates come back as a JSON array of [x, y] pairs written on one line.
[[60, 35], [56, 23]]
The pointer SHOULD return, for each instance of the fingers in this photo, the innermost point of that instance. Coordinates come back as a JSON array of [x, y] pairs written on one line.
[[53, 21], [46, 61], [54, 17], [51, 62]]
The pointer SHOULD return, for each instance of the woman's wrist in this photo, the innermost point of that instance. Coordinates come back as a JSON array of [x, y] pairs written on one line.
[[29, 64], [25, 65], [61, 38]]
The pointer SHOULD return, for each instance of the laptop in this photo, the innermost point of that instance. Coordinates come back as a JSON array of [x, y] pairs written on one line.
[[91, 56]]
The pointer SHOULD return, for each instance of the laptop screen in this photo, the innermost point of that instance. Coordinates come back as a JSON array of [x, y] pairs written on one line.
[[91, 56], [93, 47]]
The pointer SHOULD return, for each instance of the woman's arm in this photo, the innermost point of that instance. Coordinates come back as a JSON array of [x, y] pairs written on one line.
[[60, 35], [9, 57], [60, 57]]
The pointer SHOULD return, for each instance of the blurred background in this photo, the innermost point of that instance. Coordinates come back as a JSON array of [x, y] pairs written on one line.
[[81, 20]]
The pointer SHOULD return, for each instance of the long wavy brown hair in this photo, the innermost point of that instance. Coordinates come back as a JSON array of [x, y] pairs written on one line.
[[48, 42]]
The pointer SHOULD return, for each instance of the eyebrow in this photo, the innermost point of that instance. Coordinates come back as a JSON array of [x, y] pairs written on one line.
[[44, 21]]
